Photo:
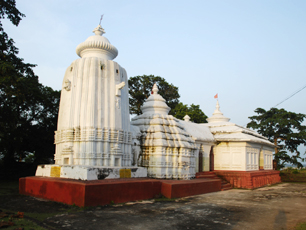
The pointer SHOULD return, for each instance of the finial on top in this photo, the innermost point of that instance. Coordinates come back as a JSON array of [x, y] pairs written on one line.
[[186, 118], [217, 106], [155, 89], [99, 30], [217, 115]]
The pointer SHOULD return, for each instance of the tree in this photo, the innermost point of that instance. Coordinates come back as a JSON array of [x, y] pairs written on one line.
[[284, 129], [28, 110], [193, 111], [140, 88]]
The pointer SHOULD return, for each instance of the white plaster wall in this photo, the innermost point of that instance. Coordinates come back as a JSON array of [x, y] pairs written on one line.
[[241, 156], [256, 149], [268, 159], [93, 119], [230, 156], [252, 158], [167, 151]]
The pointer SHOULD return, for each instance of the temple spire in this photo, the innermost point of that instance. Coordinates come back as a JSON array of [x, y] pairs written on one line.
[[99, 30], [217, 115], [155, 89], [155, 104]]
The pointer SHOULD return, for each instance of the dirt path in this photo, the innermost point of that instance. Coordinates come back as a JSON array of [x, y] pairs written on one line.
[[276, 207]]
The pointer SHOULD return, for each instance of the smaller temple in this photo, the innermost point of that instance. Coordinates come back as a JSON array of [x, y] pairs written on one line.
[[175, 149], [167, 150], [238, 148]]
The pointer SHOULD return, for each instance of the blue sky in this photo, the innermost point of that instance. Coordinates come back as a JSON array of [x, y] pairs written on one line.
[[252, 53]]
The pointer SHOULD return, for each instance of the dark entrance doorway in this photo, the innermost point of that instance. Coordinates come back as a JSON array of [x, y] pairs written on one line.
[[200, 161], [211, 159]]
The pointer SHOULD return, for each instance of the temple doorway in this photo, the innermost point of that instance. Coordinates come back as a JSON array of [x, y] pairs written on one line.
[[211, 159], [200, 161]]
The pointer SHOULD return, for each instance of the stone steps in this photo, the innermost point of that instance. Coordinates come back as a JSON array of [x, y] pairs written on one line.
[[211, 175]]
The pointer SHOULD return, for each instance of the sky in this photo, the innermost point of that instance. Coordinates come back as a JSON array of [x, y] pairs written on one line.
[[252, 53]]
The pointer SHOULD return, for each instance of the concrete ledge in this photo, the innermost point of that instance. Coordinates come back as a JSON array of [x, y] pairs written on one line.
[[250, 179]]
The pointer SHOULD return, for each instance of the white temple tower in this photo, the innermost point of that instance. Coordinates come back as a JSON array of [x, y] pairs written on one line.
[[93, 122], [168, 151]]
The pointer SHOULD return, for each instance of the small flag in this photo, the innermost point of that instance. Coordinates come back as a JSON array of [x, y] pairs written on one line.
[[101, 19], [216, 96]]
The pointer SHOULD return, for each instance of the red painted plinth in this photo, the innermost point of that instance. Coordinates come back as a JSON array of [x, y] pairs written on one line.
[[250, 179], [176, 189], [102, 192], [89, 193]]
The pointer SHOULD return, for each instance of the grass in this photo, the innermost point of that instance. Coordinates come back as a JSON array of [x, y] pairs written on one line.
[[301, 226], [10, 222], [293, 175], [9, 188], [29, 219]]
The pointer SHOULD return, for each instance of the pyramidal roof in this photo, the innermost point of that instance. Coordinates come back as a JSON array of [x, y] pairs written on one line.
[[217, 116], [155, 104], [97, 46]]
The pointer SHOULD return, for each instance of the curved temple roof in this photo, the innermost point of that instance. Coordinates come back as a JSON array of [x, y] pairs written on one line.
[[97, 46]]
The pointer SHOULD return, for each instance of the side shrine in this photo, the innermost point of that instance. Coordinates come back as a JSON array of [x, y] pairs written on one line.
[[102, 156]]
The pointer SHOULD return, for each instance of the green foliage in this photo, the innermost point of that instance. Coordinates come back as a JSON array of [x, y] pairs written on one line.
[[193, 111], [285, 130], [291, 170], [140, 88], [300, 226], [28, 110], [293, 174]]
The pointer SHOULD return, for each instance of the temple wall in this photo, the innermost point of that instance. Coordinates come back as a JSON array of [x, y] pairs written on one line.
[[163, 147], [268, 159], [93, 122], [242, 156], [230, 156]]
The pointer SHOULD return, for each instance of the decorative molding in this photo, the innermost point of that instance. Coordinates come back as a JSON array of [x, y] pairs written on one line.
[[107, 47], [92, 134]]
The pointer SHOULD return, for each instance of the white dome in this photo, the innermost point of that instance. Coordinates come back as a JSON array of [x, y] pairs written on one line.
[[217, 116], [97, 46], [155, 104]]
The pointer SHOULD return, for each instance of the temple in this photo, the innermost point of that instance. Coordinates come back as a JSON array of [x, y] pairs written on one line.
[[174, 149], [93, 138], [96, 140]]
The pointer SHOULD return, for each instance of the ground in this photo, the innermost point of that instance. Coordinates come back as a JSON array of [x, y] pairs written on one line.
[[280, 206]]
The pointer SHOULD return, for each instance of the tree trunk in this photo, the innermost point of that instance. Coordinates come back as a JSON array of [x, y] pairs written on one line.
[[275, 143]]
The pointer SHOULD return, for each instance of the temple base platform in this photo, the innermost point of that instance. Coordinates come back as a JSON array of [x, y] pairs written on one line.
[[250, 179], [82, 172], [110, 191]]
